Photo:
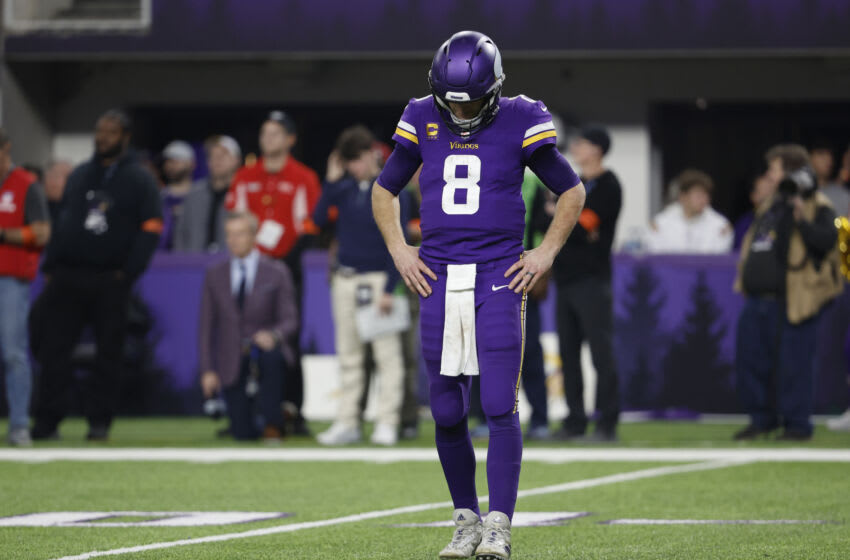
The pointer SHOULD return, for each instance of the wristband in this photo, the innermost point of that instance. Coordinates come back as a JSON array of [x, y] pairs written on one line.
[[27, 236]]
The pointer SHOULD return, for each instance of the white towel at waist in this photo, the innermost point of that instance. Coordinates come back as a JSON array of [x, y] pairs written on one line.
[[459, 351]]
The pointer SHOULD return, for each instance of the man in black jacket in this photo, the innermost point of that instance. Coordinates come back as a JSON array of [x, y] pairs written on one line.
[[108, 229], [583, 279]]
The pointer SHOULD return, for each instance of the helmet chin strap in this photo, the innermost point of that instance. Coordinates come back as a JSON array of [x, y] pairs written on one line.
[[468, 124]]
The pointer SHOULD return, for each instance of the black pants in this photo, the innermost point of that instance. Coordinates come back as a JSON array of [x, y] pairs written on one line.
[[72, 300], [247, 414], [293, 377], [585, 313], [533, 373]]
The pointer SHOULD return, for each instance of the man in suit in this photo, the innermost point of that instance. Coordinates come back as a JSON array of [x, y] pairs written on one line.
[[247, 312]]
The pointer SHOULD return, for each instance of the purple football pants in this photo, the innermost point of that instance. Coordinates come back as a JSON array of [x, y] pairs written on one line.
[[499, 327]]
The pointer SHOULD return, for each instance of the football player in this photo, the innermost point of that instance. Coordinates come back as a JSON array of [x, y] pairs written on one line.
[[470, 271]]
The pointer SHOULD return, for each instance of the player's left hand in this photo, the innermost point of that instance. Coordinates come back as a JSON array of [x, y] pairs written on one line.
[[529, 268], [265, 340], [385, 304]]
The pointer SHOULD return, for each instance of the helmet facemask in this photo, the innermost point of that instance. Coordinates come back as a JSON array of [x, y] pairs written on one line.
[[467, 127]]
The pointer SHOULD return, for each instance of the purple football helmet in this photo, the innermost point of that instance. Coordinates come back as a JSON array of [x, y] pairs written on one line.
[[467, 67]]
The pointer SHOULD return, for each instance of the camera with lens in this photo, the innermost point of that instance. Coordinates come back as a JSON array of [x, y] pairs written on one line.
[[802, 183]]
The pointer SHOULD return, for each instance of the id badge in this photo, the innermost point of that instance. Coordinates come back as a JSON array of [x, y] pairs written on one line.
[[364, 295], [269, 234]]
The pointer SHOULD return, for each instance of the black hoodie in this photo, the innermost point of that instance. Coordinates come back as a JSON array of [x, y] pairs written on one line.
[[109, 219]]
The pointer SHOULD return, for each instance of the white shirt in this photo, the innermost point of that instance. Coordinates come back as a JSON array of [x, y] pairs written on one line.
[[250, 262], [707, 233]]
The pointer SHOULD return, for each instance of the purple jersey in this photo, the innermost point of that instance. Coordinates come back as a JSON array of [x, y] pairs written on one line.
[[472, 207]]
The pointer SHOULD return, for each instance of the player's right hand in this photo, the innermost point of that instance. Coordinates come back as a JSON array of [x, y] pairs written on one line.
[[411, 268], [210, 384]]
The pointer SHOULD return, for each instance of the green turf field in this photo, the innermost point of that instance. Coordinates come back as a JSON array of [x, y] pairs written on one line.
[[336, 494]]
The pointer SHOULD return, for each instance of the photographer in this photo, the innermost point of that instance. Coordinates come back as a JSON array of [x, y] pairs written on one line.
[[788, 271]]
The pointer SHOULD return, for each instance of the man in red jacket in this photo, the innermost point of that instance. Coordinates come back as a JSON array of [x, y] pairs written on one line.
[[282, 193], [24, 230]]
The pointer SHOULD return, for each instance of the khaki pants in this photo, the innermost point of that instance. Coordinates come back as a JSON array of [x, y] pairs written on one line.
[[386, 350]]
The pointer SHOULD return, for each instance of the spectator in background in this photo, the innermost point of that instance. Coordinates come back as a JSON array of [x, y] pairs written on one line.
[[178, 164], [788, 271], [583, 278], [24, 230], [110, 226], [842, 423], [201, 225], [762, 189], [247, 313], [364, 275], [34, 170], [55, 177], [691, 225], [844, 172], [823, 164], [282, 193]]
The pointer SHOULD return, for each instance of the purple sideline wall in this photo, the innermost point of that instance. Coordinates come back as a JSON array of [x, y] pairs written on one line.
[[675, 321]]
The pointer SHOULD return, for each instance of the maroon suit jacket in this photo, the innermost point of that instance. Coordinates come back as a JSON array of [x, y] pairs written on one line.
[[269, 306]]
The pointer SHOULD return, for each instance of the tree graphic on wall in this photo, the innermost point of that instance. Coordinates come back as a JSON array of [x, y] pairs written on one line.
[[638, 338], [695, 375]]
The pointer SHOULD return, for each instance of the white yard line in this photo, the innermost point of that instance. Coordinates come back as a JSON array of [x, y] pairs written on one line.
[[291, 527], [412, 454]]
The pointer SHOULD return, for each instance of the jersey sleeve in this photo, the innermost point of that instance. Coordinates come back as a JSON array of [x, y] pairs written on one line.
[[406, 132], [399, 169], [537, 126]]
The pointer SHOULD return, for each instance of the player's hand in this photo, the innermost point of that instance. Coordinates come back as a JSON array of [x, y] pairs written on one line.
[[529, 268], [411, 268], [210, 384], [335, 169], [798, 205], [385, 304]]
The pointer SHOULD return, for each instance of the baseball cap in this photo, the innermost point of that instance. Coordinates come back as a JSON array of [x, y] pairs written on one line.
[[226, 142], [179, 150], [283, 120]]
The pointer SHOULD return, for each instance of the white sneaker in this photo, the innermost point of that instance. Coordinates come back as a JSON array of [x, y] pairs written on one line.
[[339, 434], [466, 537], [385, 434], [496, 538], [840, 423], [20, 437]]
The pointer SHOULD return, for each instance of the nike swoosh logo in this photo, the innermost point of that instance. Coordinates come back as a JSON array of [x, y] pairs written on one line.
[[496, 288]]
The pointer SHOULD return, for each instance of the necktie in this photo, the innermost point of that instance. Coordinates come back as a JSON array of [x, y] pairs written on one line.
[[243, 279]]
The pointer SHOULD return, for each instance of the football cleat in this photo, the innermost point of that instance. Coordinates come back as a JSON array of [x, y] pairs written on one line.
[[467, 535], [496, 538]]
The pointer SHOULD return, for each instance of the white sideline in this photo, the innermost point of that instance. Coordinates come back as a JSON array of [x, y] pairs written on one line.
[[413, 454], [291, 527]]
